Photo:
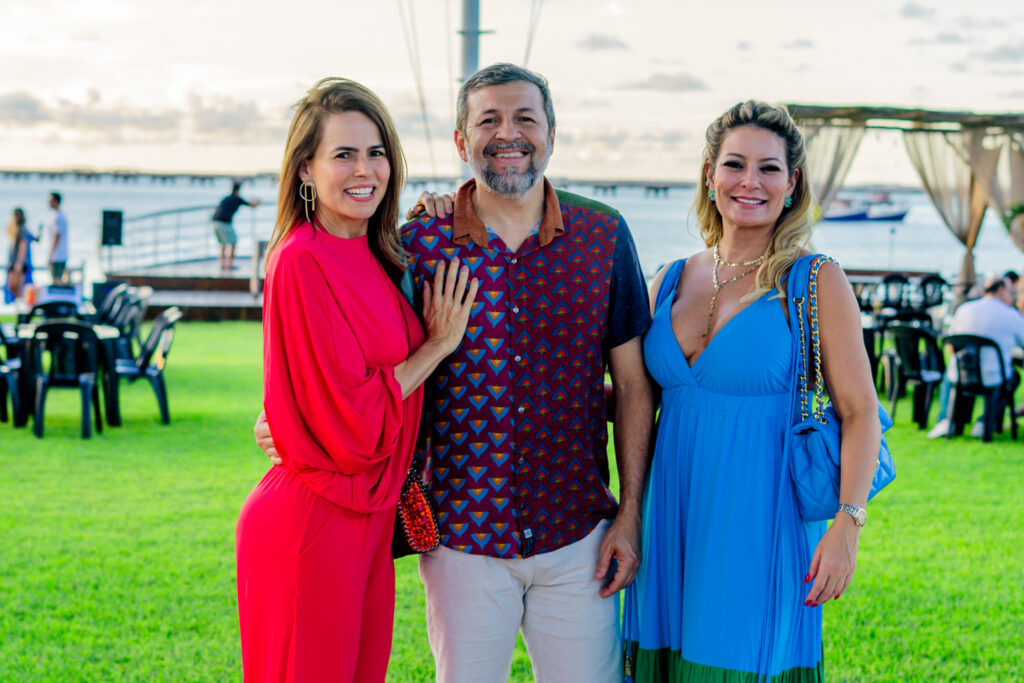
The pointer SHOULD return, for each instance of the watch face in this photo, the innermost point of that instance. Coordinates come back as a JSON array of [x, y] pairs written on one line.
[[861, 516]]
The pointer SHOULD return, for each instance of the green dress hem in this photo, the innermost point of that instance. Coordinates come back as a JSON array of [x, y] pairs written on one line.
[[668, 666]]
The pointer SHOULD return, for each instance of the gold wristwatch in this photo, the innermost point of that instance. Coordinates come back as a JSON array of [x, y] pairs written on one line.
[[860, 515]]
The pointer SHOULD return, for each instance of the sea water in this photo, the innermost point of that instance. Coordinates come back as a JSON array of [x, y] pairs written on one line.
[[663, 227]]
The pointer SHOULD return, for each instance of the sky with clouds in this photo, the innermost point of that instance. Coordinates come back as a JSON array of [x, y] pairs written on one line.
[[206, 87]]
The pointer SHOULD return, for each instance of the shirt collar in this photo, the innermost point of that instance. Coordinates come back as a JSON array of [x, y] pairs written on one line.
[[467, 226]]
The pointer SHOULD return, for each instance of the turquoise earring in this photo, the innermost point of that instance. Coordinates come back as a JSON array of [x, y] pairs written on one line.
[[711, 194], [787, 202]]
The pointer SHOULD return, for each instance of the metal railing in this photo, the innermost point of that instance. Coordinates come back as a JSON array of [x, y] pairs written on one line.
[[183, 235]]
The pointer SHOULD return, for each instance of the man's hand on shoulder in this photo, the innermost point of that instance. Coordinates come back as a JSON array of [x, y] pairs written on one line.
[[434, 204], [264, 439]]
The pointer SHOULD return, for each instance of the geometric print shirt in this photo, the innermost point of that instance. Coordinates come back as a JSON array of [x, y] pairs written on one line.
[[513, 431]]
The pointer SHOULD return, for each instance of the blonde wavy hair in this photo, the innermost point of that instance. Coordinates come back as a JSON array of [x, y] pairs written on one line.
[[793, 227], [334, 96]]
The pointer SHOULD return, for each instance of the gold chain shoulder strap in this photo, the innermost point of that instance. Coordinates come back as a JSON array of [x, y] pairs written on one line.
[[815, 346], [812, 291]]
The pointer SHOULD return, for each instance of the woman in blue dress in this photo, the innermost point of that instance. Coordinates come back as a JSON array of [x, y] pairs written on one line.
[[19, 258], [732, 579]]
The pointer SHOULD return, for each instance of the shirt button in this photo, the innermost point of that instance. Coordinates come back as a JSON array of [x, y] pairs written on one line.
[[522, 461], [518, 358], [521, 409], [515, 260], [515, 309]]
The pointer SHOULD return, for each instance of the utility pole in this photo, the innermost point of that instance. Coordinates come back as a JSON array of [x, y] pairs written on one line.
[[471, 37]]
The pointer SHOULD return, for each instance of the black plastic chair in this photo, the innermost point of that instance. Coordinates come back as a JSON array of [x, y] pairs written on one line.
[[918, 362], [968, 350], [72, 351], [10, 378], [112, 304], [872, 335], [51, 310], [129, 321], [931, 291], [9, 387], [152, 359], [894, 291]]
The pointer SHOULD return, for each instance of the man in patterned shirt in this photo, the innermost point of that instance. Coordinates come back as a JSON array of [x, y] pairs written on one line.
[[515, 418], [515, 434]]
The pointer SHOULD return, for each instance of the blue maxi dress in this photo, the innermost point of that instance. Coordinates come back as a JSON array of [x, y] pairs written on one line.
[[720, 591]]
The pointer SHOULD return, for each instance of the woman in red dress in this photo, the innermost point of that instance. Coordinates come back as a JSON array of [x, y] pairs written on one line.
[[344, 358]]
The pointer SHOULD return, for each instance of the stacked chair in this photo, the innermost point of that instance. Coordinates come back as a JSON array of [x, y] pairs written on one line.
[[152, 358]]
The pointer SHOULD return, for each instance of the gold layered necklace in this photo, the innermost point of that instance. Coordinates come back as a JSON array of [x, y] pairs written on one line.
[[750, 266]]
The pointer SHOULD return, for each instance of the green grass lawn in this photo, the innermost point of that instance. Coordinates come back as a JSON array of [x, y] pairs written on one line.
[[117, 553]]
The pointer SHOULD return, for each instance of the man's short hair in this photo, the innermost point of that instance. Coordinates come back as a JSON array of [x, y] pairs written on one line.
[[55, 196], [499, 74], [236, 186], [994, 284]]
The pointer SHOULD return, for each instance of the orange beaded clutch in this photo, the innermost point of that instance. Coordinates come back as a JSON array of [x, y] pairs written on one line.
[[416, 529]]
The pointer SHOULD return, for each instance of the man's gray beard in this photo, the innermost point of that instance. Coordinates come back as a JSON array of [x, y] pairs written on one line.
[[513, 184]]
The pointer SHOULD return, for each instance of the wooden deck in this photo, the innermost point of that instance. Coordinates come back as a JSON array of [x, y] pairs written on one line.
[[199, 288]]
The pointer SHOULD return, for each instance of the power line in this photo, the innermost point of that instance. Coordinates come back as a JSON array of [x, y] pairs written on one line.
[[413, 48], [534, 20]]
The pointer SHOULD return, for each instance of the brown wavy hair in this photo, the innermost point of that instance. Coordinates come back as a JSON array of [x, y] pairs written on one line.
[[793, 228], [334, 96]]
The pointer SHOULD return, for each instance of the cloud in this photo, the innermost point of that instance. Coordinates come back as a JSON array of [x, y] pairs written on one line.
[[959, 67], [93, 115], [912, 10], [22, 108], [222, 115], [798, 44], [942, 38], [743, 45], [677, 82], [600, 42], [1007, 52], [664, 138], [970, 22]]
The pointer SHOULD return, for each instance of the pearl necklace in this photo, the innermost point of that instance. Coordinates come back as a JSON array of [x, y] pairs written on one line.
[[753, 264]]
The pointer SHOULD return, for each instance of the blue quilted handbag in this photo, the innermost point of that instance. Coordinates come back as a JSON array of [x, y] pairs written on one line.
[[814, 463]]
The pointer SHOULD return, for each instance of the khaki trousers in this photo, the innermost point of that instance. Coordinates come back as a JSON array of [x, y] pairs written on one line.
[[476, 606]]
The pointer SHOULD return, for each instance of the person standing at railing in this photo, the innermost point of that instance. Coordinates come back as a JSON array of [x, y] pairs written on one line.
[[222, 224], [19, 261], [59, 232]]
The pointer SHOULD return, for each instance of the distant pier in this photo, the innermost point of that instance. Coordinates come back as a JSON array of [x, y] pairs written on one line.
[[609, 187]]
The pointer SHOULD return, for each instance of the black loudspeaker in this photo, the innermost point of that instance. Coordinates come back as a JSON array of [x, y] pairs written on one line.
[[112, 228]]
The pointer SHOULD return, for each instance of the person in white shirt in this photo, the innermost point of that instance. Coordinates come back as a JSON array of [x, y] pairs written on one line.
[[59, 231], [992, 316]]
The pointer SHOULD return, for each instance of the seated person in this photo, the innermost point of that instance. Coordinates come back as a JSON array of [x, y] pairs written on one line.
[[992, 316]]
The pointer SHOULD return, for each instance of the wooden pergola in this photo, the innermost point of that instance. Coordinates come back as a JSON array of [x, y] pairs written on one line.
[[956, 155], [895, 118]]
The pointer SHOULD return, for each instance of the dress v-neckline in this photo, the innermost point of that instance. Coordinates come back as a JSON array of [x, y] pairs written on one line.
[[672, 328]]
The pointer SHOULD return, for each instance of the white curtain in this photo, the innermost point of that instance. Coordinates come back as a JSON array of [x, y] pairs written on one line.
[[942, 162], [830, 151], [1015, 192], [984, 152]]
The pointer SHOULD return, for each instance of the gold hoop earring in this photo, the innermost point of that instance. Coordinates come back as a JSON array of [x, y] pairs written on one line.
[[307, 192]]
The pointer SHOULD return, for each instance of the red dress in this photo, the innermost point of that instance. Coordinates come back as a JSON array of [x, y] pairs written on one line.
[[316, 582]]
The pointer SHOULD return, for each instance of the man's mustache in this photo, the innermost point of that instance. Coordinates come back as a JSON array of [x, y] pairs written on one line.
[[509, 146]]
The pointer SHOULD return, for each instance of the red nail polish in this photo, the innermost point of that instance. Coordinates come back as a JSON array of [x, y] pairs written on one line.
[[837, 597], [807, 604], [807, 578]]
